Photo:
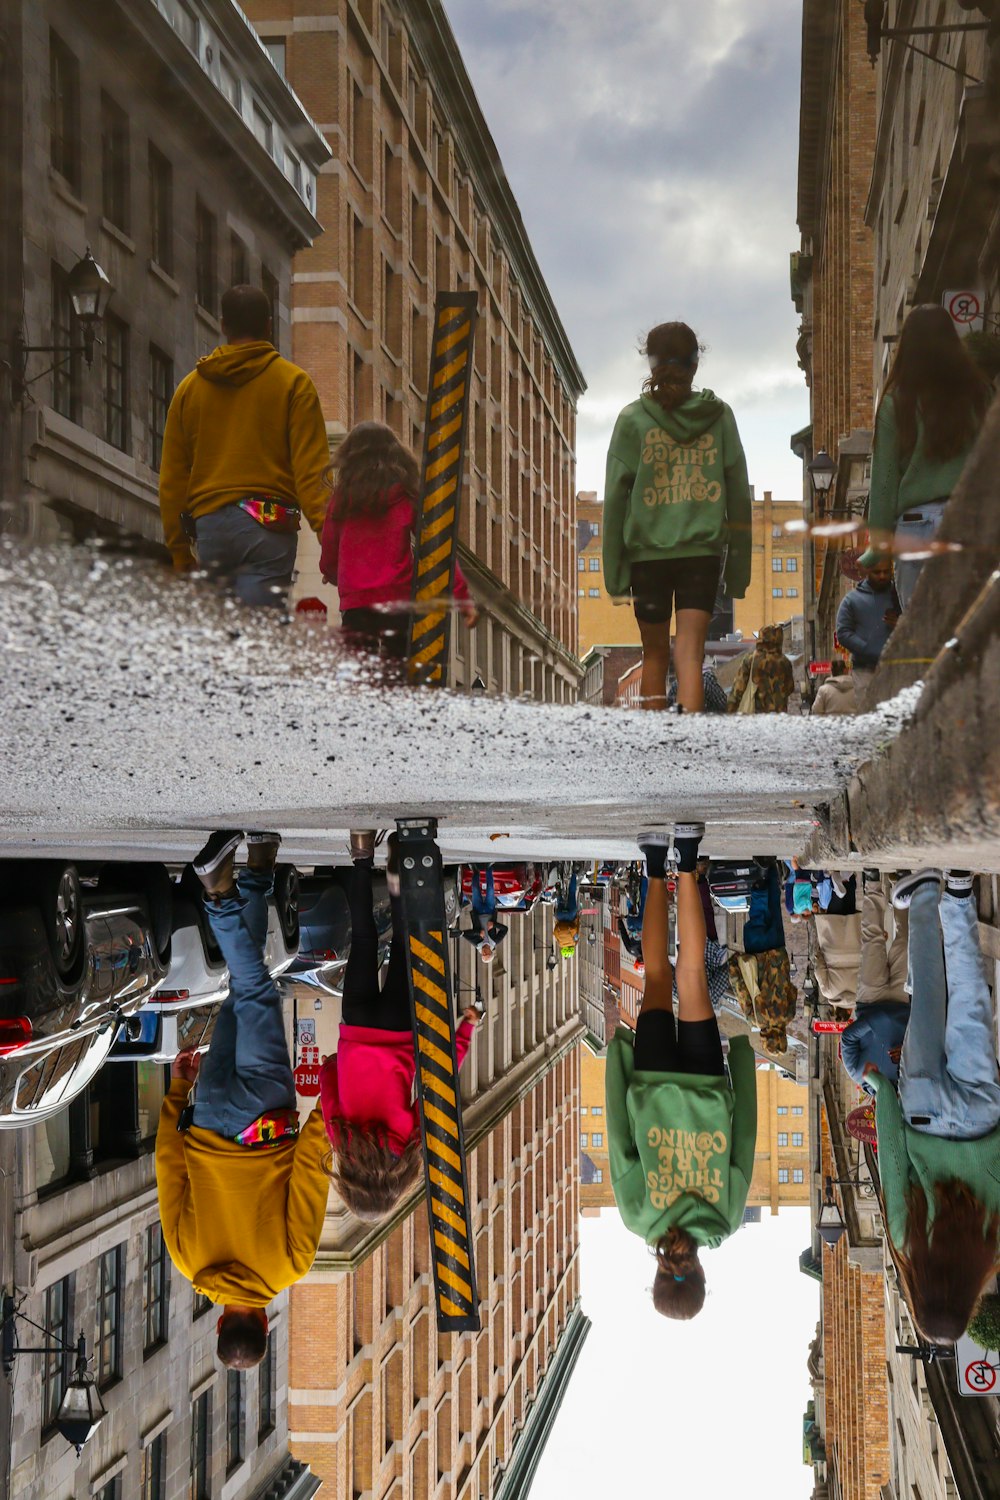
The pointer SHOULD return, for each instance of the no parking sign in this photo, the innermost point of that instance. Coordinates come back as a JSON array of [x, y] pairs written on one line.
[[977, 1368], [965, 308]]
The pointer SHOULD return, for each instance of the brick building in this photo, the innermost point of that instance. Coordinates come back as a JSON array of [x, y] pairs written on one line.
[[380, 1403], [416, 201], [775, 593], [832, 280], [162, 136]]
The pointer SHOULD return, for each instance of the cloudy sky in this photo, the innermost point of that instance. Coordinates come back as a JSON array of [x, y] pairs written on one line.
[[652, 147]]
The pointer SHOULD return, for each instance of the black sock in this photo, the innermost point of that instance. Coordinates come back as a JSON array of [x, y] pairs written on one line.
[[687, 855], [656, 861]]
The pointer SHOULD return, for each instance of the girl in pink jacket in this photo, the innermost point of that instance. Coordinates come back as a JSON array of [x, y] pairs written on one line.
[[368, 540], [367, 1088]]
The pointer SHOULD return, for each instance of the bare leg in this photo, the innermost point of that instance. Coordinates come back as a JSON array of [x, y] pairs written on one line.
[[689, 654], [659, 989], [655, 665], [693, 1000]]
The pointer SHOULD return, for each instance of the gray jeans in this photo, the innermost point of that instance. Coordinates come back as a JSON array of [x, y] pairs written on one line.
[[256, 563]]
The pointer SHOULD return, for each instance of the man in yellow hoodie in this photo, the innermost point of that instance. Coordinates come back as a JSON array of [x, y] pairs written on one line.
[[242, 1192], [244, 457]]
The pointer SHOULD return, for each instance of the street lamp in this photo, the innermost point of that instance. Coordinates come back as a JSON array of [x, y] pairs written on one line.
[[89, 290], [551, 962], [822, 472], [81, 1410], [830, 1225]]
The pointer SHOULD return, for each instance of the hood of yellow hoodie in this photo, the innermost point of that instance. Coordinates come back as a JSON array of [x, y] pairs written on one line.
[[237, 364], [233, 1283]]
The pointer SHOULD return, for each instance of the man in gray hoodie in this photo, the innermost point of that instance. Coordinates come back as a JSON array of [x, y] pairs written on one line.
[[866, 619]]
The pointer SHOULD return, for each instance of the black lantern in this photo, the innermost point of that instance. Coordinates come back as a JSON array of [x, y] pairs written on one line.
[[830, 1225], [81, 1410], [89, 291], [822, 472]]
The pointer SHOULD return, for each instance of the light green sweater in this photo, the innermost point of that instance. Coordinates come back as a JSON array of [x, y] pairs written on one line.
[[896, 487], [681, 1145]]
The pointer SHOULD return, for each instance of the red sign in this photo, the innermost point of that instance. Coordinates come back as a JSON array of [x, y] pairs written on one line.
[[307, 1073], [981, 1376], [311, 606], [861, 1124], [821, 1028], [819, 669]]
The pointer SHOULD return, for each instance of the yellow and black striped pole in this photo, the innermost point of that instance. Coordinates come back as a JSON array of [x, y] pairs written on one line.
[[445, 1176], [445, 425]]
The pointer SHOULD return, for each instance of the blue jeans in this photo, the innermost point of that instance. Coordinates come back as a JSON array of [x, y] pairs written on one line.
[[247, 1071], [483, 905], [948, 1084], [910, 532], [256, 563], [568, 910], [764, 927]]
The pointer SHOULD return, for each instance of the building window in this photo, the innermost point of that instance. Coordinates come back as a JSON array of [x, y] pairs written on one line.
[[239, 262], [231, 85], [161, 209], [595, 564], [597, 1139], [776, 564], [185, 23], [114, 163], [796, 1137], [776, 594], [798, 1175], [598, 1109], [796, 1109], [272, 291], [155, 1290], [782, 1109], [265, 1394], [198, 1484], [161, 388], [235, 1418], [110, 1491], [204, 258], [200, 1305], [791, 565], [109, 1320], [275, 48], [793, 593], [582, 593], [782, 1174], [598, 1175], [153, 1468], [64, 106], [782, 1137], [583, 1140], [594, 593], [776, 531], [263, 129], [54, 1366], [595, 528], [116, 382], [65, 337], [293, 171], [581, 565]]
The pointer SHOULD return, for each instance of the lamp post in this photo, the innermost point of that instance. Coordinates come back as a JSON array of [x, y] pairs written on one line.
[[822, 472], [81, 1410], [830, 1225], [89, 290], [551, 962]]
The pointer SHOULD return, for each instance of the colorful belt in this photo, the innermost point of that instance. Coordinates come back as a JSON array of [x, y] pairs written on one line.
[[269, 511], [270, 1129]]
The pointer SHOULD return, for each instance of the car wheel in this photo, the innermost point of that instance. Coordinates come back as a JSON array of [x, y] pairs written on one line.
[[56, 887], [286, 901], [152, 881]]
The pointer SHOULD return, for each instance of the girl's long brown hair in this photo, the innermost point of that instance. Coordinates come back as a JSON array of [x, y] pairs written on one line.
[[943, 1268], [366, 466], [367, 1175], [677, 1255], [675, 349], [932, 374]]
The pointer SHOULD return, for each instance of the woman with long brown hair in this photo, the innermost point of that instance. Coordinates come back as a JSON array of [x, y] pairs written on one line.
[[366, 1089], [676, 500], [928, 419], [939, 1140], [367, 542], [681, 1139]]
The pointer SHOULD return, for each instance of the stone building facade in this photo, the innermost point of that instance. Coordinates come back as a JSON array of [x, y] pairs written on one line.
[[832, 283], [160, 134], [415, 201]]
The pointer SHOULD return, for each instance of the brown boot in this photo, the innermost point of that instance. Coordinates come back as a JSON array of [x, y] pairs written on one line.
[[262, 852], [215, 863]]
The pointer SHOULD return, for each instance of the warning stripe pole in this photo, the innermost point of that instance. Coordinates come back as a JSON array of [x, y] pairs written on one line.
[[445, 423], [445, 1175]]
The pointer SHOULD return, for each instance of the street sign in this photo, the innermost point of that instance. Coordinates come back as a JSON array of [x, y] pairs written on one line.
[[977, 1367], [819, 669], [965, 308], [307, 1071], [821, 1028]]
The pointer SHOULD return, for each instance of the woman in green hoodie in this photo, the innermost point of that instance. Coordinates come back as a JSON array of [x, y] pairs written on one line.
[[681, 1141], [928, 420], [676, 499]]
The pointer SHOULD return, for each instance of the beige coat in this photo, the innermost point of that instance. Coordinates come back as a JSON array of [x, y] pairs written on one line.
[[838, 958], [836, 696]]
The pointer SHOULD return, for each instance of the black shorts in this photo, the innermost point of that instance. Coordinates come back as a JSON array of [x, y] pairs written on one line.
[[378, 631], [670, 583], [665, 1045]]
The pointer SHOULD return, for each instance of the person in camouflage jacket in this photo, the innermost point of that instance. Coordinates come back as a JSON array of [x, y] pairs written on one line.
[[762, 983], [771, 672]]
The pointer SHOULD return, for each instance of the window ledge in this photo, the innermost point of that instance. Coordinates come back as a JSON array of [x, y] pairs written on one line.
[[164, 277], [204, 316], [63, 190], [113, 231]]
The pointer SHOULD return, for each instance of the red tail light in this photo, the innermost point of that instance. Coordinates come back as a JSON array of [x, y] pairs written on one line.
[[171, 997], [327, 954], [14, 1034]]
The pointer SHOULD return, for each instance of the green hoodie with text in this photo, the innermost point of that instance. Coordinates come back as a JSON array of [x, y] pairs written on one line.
[[676, 486], [681, 1145]]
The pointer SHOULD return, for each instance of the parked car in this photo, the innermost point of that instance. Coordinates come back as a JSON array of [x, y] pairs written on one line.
[[81, 950], [731, 881], [161, 1034], [517, 887]]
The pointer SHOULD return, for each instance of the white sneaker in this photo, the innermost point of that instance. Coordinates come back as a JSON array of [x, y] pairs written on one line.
[[958, 882], [906, 887]]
